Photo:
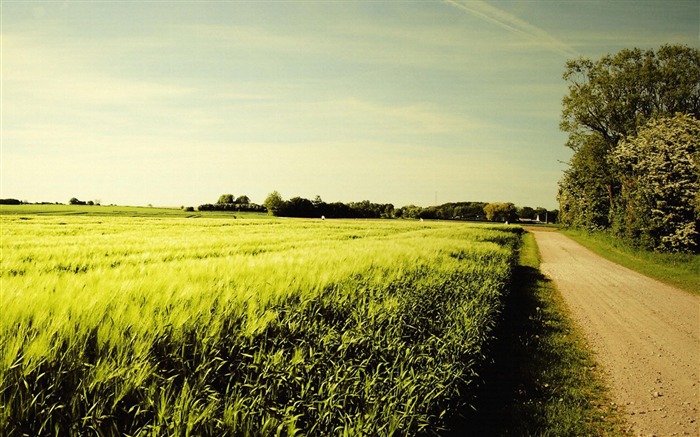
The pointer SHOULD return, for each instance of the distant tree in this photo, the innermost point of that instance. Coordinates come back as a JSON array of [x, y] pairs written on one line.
[[336, 210], [411, 212], [242, 200], [500, 211], [225, 198], [554, 216], [451, 211], [10, 202], [542, 213], [231, 207], [367, 209], [90, 202], [362, 209], [297, 207], [323, 209], [527, 213], [75, 201], [388, 211], [274, 203], [491, 210]]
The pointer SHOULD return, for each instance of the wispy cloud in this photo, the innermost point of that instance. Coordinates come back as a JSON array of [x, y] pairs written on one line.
[[415, 118], [515, 25], [53, 75]]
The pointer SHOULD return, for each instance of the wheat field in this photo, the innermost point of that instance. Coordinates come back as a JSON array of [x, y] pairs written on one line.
[[212, 326]]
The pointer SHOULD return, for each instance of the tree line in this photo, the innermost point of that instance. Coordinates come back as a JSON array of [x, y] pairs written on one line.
[[482, 211], [13, 201], [76, 201], [10, 201], [227, 202], [300, 207], [632, 120]]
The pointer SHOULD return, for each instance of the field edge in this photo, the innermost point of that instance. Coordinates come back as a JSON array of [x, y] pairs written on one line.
[[543, 379]]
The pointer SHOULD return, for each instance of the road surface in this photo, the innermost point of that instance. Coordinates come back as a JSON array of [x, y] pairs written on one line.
[[645, 335]]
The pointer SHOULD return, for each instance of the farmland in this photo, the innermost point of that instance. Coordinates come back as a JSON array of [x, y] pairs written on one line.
[[155, 325]]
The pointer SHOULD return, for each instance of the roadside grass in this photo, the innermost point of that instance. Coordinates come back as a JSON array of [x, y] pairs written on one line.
[[543, 381], [681, 270]]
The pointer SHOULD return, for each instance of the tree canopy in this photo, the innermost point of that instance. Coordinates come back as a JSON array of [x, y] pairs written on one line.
[[273, 203], [612, 101], [661, 182], [301, 207], [614, 96], [225, 198], [227, 202], [500, 211]]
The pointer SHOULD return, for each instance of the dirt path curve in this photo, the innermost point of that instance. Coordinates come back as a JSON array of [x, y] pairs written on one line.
[[645, 334]]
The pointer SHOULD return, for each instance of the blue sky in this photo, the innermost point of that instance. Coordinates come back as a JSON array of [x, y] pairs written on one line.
[[175, 103]]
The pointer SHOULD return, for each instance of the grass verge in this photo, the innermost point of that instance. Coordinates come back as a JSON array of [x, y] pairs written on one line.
[[543, 380], [679, 269]]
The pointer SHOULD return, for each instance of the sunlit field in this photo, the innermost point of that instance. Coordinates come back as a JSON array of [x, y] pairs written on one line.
[[211, 326]]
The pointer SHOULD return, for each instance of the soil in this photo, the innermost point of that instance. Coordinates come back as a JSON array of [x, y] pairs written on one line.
[[644, 334]]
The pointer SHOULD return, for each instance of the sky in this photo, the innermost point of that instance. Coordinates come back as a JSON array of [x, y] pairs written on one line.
[[173, 103]]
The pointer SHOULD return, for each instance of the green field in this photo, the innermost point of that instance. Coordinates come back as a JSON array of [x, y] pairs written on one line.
[[159, 324], [119, 211]]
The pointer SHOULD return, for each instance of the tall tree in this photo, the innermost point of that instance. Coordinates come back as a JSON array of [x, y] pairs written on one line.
[[586, 190], [274, 203], [243, 200], [225, 198], [500, 211], [608, 101]]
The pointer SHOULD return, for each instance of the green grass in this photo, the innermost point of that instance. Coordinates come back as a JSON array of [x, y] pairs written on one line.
[[164, 325], [119, 211], [570, 396], [543, 380], [681, 270]]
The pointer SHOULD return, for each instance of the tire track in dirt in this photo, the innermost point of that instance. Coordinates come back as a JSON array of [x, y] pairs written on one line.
[[645, 334]]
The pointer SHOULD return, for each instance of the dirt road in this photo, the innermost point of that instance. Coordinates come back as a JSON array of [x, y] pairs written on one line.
[[645, 334]]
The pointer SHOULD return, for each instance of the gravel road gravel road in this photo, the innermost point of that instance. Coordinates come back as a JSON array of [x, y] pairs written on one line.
[[645, 335]]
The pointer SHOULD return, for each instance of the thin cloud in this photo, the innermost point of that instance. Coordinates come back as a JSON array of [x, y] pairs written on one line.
[[417, 118], [515, 25]]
